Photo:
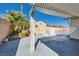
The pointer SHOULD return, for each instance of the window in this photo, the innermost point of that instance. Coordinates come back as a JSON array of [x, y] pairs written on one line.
[[36, 25]]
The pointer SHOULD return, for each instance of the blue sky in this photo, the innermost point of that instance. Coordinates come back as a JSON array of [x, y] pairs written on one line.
[[14, 7], [51, 20]]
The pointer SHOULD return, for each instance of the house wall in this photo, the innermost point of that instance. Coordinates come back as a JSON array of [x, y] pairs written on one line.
[[40, 28], [4, 29], [74, 29]]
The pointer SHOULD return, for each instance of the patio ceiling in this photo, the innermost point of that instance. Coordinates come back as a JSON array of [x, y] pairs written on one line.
[[67, 10]]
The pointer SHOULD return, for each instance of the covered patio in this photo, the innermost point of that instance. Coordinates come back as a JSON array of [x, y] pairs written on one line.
[[48, 46]]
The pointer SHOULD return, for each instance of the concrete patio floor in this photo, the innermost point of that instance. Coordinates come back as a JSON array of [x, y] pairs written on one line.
[[63, 46], [9, 48], [47, 46], [41, 49]]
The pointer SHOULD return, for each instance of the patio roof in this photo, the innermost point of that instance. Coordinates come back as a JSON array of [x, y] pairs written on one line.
[[67, 10]]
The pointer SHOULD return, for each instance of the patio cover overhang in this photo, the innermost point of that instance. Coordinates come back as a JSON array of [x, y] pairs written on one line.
[[60, 9]]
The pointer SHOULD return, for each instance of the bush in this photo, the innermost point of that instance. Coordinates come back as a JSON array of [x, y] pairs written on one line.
[[24, 33]]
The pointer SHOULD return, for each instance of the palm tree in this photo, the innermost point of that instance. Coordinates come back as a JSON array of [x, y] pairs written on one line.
[[17, 20]]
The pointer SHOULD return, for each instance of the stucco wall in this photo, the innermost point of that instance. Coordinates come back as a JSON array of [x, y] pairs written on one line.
[[4, 29], [74, 31], [40, 28]]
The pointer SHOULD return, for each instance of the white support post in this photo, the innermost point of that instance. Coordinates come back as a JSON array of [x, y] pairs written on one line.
[[32, 26]]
